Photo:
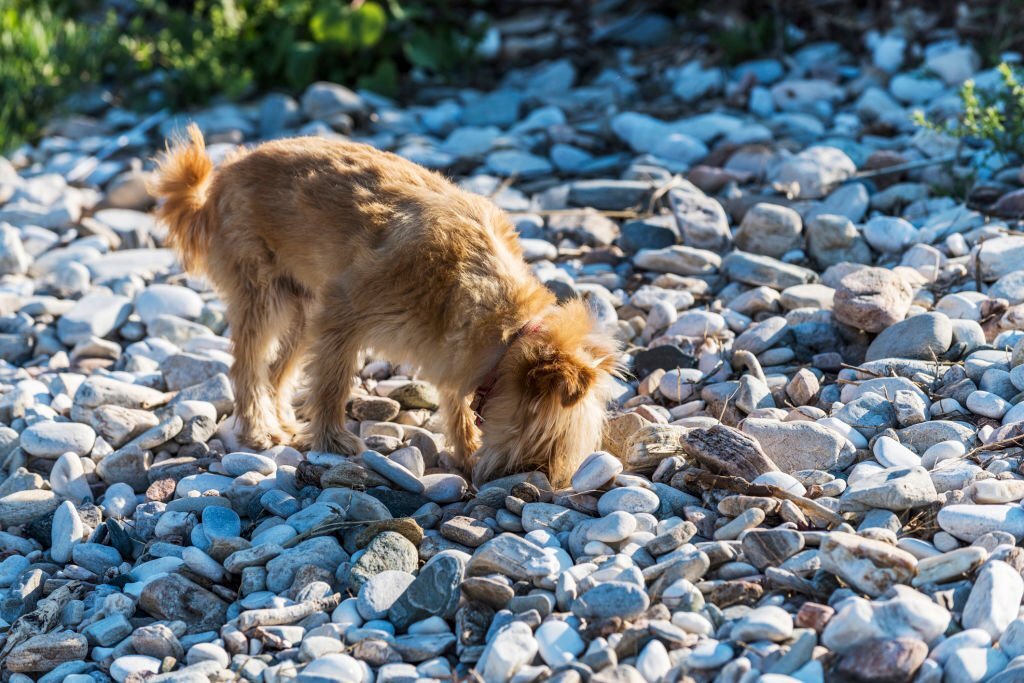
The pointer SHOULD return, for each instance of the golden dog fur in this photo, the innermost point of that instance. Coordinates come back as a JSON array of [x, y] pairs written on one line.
[[320, 249]]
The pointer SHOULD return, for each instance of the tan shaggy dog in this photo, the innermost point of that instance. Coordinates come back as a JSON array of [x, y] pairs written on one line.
[[321, 249]]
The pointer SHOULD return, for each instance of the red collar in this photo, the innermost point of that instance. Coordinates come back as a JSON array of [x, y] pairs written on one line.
[[483, 392]]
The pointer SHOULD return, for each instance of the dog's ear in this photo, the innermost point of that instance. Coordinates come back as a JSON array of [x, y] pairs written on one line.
[[562, 376]]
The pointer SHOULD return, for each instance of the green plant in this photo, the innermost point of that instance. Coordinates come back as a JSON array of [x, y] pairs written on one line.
[[991, 117], [218, 49], [228, 47], [44, 58]]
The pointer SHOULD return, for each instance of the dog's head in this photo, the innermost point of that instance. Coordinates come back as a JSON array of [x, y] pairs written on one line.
[[547, 408]]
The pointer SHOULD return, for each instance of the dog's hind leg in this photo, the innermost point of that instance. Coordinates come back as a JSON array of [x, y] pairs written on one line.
[[463, 434], [254, 311], [292, 344], [331, 369]]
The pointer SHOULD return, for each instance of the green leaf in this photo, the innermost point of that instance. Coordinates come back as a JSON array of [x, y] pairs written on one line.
[[427, 51], [383, 80], [362, 27], [300, 65], [370, 21]]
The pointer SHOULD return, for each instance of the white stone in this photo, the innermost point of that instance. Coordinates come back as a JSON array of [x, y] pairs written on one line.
[[679, 384], [943, 450], [67, 530], [347, 613], [511, 649], [67, 478], [891, 453], [558, 642], [122, 667], [119, 501], [995, 598], [698, 324], [653, 662], [612, 528], [628, 499], [596, 470], [764, 623], [337, 667], [969, 522], [987, 404], [889, 233], [161, 299], [786, 482], [840, 427]]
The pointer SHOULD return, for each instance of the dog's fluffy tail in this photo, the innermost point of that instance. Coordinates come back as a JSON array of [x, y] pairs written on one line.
[[181, 182]]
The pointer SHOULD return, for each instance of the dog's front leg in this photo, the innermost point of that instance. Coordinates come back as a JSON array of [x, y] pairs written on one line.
[[331, 369], [463, 434]]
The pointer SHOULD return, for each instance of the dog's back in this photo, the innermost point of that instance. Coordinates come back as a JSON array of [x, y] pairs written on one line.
[[309, 205]]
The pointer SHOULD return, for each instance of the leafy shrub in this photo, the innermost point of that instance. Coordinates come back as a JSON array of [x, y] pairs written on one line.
[[228, 47], [44, 58], [991, 117], [206, 49]]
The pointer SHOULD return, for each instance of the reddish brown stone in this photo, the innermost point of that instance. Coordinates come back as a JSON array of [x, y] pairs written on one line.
[[161, 490], [732, 593], [814, 615], [883, 660]]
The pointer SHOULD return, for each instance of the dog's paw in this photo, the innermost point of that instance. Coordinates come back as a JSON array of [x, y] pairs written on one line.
[[291, 429], [267, 438], [340, 441]]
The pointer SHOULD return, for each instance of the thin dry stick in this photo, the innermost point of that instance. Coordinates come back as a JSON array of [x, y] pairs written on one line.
[[899, 168], [997, 446], [625, 213]]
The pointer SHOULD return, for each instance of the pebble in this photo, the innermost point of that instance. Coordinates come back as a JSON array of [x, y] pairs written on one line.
[[66, 530], [124, 667], [764, 623], [925, 336], [53, 439], [558, 643], [995, 599], [595, 471], [380, 592], [970, 522], [871, 299], [611, 599], [869, 566], [629, 499]]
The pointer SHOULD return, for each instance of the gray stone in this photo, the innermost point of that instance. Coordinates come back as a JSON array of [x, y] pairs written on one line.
[[815, 171], [871, 299], [770, 230], [94, 315], [891, 489], [387, 550], [701, 219], [434, 592], [50, 440], [926, 336], [799, 445], [380, 593], [325, 100], [322, 551], [611, 599], [174, 597], [765, 271]]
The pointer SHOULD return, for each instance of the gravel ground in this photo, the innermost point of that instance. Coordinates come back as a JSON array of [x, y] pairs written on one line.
[[813, 473]]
